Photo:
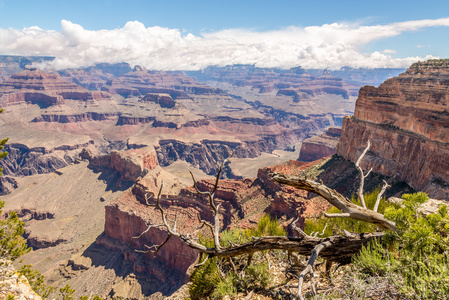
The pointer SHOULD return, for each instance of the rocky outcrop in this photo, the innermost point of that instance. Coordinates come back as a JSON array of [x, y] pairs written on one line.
[[7, 185], [131, 164], [83, 117], [406, 120], [320, 146], [14, 284], [10, 64], [39, 242], [208, 153], [204, 155], [127, 218], [133, 120], [24, 161], [164, 100], [95, 77], [177, 85]]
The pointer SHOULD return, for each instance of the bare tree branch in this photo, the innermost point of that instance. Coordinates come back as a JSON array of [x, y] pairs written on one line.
[[379, 196], [336, 199], [362, 175], [204, 261], [309, 269], [342, 215], [297, 229]]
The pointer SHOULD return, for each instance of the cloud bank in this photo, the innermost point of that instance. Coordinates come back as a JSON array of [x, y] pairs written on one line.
[[328, 46]]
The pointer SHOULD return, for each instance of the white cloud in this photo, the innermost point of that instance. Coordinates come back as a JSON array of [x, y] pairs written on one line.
[[327, 46], [423, 46]]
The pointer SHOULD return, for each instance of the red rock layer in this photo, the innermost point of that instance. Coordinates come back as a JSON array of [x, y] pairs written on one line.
[[131, 164], [320, 146], [242, 203], [141, 82], [45, 89], [407, 121]]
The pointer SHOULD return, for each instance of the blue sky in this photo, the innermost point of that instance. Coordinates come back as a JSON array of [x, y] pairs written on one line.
[[193, 34]]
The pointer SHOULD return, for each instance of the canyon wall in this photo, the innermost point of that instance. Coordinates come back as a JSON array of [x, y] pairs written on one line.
[[320, 146], [24, 161], [406, 119]]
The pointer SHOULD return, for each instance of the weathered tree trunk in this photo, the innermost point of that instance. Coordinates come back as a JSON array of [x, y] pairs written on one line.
[[339, 248]]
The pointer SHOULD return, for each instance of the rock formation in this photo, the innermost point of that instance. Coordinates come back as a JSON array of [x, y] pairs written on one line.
[[95, 77], [406, 119], [10, 64], [141, 82], [320, 146], [24, 161], [44, 89], [14, 284]]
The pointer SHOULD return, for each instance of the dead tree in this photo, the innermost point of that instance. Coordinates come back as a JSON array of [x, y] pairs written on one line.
[[337, 248]]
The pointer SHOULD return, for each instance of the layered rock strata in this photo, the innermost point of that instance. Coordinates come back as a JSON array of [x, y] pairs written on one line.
[[407, 122], [242, 204], [320, 146], [24, 161], [141, 82], [44, 89], [10, 64]]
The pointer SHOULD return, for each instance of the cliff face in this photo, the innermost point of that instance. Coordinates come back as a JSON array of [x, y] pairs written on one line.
[[320, 146], [24, 161], [44, 89], [407, 121]]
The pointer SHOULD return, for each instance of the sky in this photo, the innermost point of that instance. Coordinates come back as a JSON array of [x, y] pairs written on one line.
[[191, 35]]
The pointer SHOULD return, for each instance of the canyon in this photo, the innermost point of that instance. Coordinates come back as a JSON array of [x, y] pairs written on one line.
[[89, 146]]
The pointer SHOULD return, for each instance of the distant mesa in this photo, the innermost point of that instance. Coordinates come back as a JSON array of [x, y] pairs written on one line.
[[95, 77], [10, 64], [140, 81], [42, 88], [296, 82]]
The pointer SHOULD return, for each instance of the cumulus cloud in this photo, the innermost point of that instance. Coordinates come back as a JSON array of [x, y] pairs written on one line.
[[328, 46]]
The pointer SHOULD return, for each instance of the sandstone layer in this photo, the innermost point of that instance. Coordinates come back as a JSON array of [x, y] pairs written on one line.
[[42, 88], [320, 146], [406, 120]]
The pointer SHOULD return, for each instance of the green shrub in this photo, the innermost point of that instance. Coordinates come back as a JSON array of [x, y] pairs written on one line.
[[205, 280], [336, 225], [228, 276], [226, 287], [258, 275], [66, 293], [36, 280], [12, 244], [417, 252], [374, 259]]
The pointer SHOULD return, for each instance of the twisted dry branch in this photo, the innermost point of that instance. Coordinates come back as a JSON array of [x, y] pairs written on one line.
[[339, 249]]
